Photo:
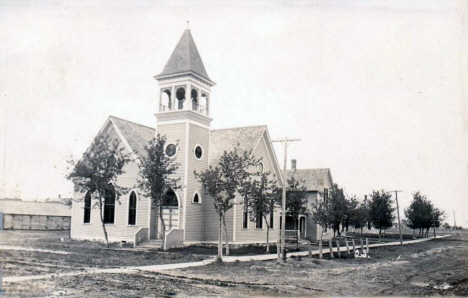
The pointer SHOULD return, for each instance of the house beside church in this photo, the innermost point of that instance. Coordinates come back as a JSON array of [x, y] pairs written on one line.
[[184, 118]]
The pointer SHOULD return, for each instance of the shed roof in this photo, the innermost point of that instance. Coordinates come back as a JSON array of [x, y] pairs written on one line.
[[314, 179], [33, 208]]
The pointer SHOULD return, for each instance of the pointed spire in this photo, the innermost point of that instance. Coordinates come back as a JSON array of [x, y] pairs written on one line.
[[185, 58]]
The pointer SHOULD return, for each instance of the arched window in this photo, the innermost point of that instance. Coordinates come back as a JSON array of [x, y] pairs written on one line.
[[166, 103], [302, 225], [109, 205], [203, 104], [180, 95], [87, 208], [194, 97], [132, 208], [170, 199], [260, 167], [196, 198], [259, 220]]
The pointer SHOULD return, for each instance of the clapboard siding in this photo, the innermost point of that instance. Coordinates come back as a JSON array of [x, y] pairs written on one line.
[[194, 228], [119, 231], [253, 235], [176, 133]]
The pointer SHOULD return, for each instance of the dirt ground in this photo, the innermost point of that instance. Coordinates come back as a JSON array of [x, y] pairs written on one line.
[[437, 267]]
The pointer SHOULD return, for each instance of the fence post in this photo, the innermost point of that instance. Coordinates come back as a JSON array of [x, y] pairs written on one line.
[[278, 249], [320, 250], [362, 245], [330, 243], [354, 245], [367, 245], [347, 246], [310, 250], [338, 248]]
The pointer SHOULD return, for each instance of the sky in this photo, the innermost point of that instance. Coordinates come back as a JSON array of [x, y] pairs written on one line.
[[375, 90]]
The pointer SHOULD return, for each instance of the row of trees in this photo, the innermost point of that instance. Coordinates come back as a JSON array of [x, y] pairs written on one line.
[[235, 175], [338, 211], [422, 215]]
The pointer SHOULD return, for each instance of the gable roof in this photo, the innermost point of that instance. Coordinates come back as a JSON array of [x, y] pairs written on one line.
[[185, 58], [136, 135], [33, 208], [226, 139], [314, 179]]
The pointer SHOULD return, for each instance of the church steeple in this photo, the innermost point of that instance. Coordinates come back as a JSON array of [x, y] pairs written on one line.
[[184, 82], [184, 59]]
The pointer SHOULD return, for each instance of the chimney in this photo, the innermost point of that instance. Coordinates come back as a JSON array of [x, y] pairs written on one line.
[[293, 164]]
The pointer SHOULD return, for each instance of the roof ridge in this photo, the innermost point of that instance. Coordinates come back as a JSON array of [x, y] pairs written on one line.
[[239, 127], [130, 122]]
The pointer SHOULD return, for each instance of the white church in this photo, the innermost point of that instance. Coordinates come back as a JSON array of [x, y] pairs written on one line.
[[183, 116]]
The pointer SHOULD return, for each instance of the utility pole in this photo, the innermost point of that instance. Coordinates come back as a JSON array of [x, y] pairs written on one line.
[[398, 213], [286, 142]]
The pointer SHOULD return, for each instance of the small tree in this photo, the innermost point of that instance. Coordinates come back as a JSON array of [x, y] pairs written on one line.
[[337, 208], [222, 182], [381, 210], [260, 197], [351, 204], [321, 214], [359, 220], [156, 172], [96, 173]]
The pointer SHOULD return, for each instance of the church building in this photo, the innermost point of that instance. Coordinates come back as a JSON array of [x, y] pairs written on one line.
[[183, 116]]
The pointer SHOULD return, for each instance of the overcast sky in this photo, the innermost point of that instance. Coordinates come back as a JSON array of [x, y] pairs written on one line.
[[376, 90]]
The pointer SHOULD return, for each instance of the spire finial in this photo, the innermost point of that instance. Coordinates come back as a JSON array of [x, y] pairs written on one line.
[[188, 25]]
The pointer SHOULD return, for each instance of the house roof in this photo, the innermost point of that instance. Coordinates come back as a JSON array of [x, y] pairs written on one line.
[[33, 208], [185, 58], [226, 139], [314, 179], [137, 135]]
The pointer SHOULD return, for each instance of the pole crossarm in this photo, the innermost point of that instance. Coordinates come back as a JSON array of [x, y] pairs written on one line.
[[282, 235]]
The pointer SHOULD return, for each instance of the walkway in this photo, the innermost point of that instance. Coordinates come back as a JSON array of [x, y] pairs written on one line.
[[227, 259]]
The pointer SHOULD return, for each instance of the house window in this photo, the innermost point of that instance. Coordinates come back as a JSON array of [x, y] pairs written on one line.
[[302, 225], [171, 150], [109, 207], [132, 208], [87, 208], [196, 198], [198, 152], [259, 221], [325, 194]]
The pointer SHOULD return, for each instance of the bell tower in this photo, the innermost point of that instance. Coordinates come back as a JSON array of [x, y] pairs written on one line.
[[183, 117]]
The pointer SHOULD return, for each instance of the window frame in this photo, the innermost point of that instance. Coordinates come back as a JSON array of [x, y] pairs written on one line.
[[87, 209], [195, 154], [136, 208], [199, 198], [113, 207], [259, 223], [263, 167], [302, 220], [245, 216], [176, 151]]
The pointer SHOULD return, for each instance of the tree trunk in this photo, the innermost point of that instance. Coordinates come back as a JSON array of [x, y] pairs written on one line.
[[220, 239], [163, 227], [414, 235], [268, 235], [361, 231], [380, 234], [226, 234], [102, 223]]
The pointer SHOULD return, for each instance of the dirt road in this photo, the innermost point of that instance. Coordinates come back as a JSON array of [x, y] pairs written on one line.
[[431, 268]]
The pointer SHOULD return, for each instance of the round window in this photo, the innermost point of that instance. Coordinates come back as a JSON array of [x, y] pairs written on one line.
[[260, 167], [198, 152], [171, 150]]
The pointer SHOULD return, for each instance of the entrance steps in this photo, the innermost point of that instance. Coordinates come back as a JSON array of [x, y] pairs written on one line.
[[151, 244]]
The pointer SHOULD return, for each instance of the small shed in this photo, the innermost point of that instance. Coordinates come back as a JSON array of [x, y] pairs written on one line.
[[29, 215]]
